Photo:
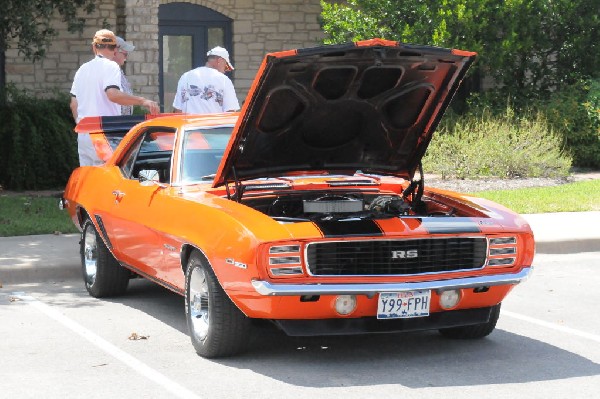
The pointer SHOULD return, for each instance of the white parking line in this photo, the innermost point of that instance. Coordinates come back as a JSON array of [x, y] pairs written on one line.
[[109, 348], [552, 326]]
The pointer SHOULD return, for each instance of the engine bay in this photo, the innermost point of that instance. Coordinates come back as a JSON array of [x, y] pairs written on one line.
[[317, 206]]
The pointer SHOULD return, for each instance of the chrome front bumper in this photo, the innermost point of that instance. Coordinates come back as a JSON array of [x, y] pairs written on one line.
[[267, 288]]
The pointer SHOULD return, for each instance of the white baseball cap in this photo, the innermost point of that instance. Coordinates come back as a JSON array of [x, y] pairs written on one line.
[[221, 52], [127, 46]]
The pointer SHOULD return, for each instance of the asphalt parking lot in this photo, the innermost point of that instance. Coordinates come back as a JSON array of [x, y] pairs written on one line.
[[60, 343]]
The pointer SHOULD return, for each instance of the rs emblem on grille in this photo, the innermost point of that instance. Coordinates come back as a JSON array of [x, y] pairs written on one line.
[[411, 253]]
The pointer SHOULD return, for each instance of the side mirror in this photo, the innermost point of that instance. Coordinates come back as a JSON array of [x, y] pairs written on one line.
[[148, 177]]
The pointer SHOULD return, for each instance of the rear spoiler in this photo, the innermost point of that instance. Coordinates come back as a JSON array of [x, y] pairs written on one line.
[[107, 132]]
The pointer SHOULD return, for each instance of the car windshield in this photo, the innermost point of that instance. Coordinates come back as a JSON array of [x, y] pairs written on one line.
[[202, 152]]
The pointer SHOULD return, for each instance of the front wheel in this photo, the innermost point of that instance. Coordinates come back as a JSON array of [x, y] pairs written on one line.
[[102, 274], [475, 331], [216, 326]]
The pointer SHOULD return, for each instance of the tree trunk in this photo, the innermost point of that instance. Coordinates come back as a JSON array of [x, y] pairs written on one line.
[[2, 77]]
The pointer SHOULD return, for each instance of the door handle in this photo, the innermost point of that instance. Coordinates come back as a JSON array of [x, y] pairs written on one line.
[[118, 195]]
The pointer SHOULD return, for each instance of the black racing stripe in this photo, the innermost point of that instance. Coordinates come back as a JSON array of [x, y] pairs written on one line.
[[450, 226], [120, 123], [345, 228]]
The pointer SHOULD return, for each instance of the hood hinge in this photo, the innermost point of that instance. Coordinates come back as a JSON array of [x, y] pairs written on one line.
[[239, 188], [415, 191]]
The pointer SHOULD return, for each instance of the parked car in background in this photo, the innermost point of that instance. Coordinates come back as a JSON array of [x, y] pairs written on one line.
[[307, 209]]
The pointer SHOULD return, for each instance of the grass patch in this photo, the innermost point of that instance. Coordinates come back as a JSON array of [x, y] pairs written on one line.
[[28, 215], [581, 196]]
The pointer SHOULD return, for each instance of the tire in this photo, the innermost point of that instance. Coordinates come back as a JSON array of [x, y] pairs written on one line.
[[475, 331], [102, 274], [217, 327]]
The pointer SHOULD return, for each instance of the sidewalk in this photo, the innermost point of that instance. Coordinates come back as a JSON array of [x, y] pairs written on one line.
[[38, 258], [30, 259], [565, 232]]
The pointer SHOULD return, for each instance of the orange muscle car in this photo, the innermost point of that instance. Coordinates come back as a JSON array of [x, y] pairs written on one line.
[[307, 209]]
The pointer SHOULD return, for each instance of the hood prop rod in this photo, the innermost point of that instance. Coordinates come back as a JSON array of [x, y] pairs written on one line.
[[239, 188]]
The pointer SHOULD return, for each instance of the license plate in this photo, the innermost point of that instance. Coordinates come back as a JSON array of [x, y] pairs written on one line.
[[402, 305]]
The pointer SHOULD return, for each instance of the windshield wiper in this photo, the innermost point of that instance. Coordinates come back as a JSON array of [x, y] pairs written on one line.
[[208, 177]]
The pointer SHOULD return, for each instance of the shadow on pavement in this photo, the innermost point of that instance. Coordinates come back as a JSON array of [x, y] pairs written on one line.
[[414, 360]]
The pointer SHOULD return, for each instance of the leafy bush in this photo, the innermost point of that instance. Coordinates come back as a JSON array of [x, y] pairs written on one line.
[[574, 113], [501, 146], [39, 147]]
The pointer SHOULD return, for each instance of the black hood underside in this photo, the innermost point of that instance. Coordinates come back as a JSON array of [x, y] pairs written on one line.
[[342, 109]]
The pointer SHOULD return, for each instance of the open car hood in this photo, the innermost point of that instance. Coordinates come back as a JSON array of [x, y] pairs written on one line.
[[368, 106]]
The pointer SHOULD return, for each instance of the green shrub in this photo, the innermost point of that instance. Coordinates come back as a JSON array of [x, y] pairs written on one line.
[[39, 146], [503, 146], [574, 113]]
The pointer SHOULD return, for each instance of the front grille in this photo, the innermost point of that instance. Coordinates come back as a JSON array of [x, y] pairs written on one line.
[[395, 257]]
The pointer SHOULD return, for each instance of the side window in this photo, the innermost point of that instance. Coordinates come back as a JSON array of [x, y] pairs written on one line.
[[152, 150], [127, 162], [202, 152]]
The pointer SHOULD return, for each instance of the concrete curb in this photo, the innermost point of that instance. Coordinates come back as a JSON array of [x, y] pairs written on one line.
[[565, 232], [567, 246], [39, 258]]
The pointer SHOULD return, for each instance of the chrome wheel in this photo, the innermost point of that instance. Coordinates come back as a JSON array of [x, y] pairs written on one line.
[[217, 327], [102, 274], [90, 254], [199, 312]]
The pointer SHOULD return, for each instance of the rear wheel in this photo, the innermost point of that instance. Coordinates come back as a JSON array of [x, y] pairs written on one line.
[[217, 327], [102, 274], [475, 331]]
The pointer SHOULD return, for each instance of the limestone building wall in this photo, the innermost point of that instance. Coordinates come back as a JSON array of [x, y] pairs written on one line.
[[259, 27]]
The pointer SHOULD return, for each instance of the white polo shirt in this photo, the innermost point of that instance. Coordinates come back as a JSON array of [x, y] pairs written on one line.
[[89, 87], [90, 84], [205, 90]]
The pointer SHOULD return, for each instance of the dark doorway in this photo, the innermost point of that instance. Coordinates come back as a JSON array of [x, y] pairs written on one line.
[[185, 33]]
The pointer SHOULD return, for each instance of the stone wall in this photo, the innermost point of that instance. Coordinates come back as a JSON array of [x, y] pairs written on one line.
[[259, 27], [67, 51]]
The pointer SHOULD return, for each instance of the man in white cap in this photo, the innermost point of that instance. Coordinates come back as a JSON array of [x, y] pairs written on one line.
[[206, 89], [121, 54], [96, 91]]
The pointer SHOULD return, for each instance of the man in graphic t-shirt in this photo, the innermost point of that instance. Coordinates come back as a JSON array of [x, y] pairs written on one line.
[[206, 89]]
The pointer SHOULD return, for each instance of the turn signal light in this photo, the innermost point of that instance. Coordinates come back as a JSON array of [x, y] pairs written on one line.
[[449, 298], [345, 304]]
